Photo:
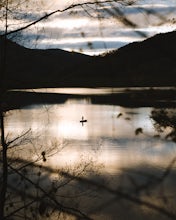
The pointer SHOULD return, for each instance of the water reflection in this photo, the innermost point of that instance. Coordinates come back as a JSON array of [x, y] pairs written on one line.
[[117, 161], [114, 136], [94, 91]]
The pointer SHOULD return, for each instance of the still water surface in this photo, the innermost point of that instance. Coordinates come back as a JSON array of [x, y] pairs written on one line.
[[115, 140]]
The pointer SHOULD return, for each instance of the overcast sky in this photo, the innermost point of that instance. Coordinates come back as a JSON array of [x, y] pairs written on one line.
[[81, 30]]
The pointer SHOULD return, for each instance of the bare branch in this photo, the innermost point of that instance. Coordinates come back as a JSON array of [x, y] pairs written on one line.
[[68, 210], [124, 195], [57, 11], [18, 137], [19, 209]]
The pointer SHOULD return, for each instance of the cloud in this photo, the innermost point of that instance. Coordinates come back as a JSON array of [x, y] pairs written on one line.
[[77, 31]]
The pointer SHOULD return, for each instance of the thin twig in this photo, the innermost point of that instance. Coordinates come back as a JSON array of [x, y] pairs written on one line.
[[68, 210], [124, 195], [18, 137], [54, 12]]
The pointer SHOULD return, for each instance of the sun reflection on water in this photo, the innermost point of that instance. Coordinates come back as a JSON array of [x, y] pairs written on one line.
[[106, 137]]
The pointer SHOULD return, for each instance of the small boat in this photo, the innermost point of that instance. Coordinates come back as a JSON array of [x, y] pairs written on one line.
[[83, 121]]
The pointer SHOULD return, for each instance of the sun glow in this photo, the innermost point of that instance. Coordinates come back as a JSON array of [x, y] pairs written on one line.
[[67, 23], [72, 130]]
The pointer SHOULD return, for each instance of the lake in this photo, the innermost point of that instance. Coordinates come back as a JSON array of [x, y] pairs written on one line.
[[118, 164]]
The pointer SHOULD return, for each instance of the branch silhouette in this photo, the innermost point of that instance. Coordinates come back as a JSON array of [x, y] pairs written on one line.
[[68, 210], [123, 195], [117, 193], [54, 12]]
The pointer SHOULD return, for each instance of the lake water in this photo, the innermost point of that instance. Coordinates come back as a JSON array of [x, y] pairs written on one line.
[[119, 164]]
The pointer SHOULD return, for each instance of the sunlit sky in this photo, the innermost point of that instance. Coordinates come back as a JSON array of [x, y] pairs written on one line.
[[80, 29]]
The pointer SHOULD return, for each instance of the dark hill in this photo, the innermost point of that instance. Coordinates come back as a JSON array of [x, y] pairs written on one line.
[[29, 68], [151, 62]]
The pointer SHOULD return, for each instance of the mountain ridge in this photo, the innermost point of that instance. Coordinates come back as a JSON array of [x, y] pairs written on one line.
[[147, 63], [32, 68]]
